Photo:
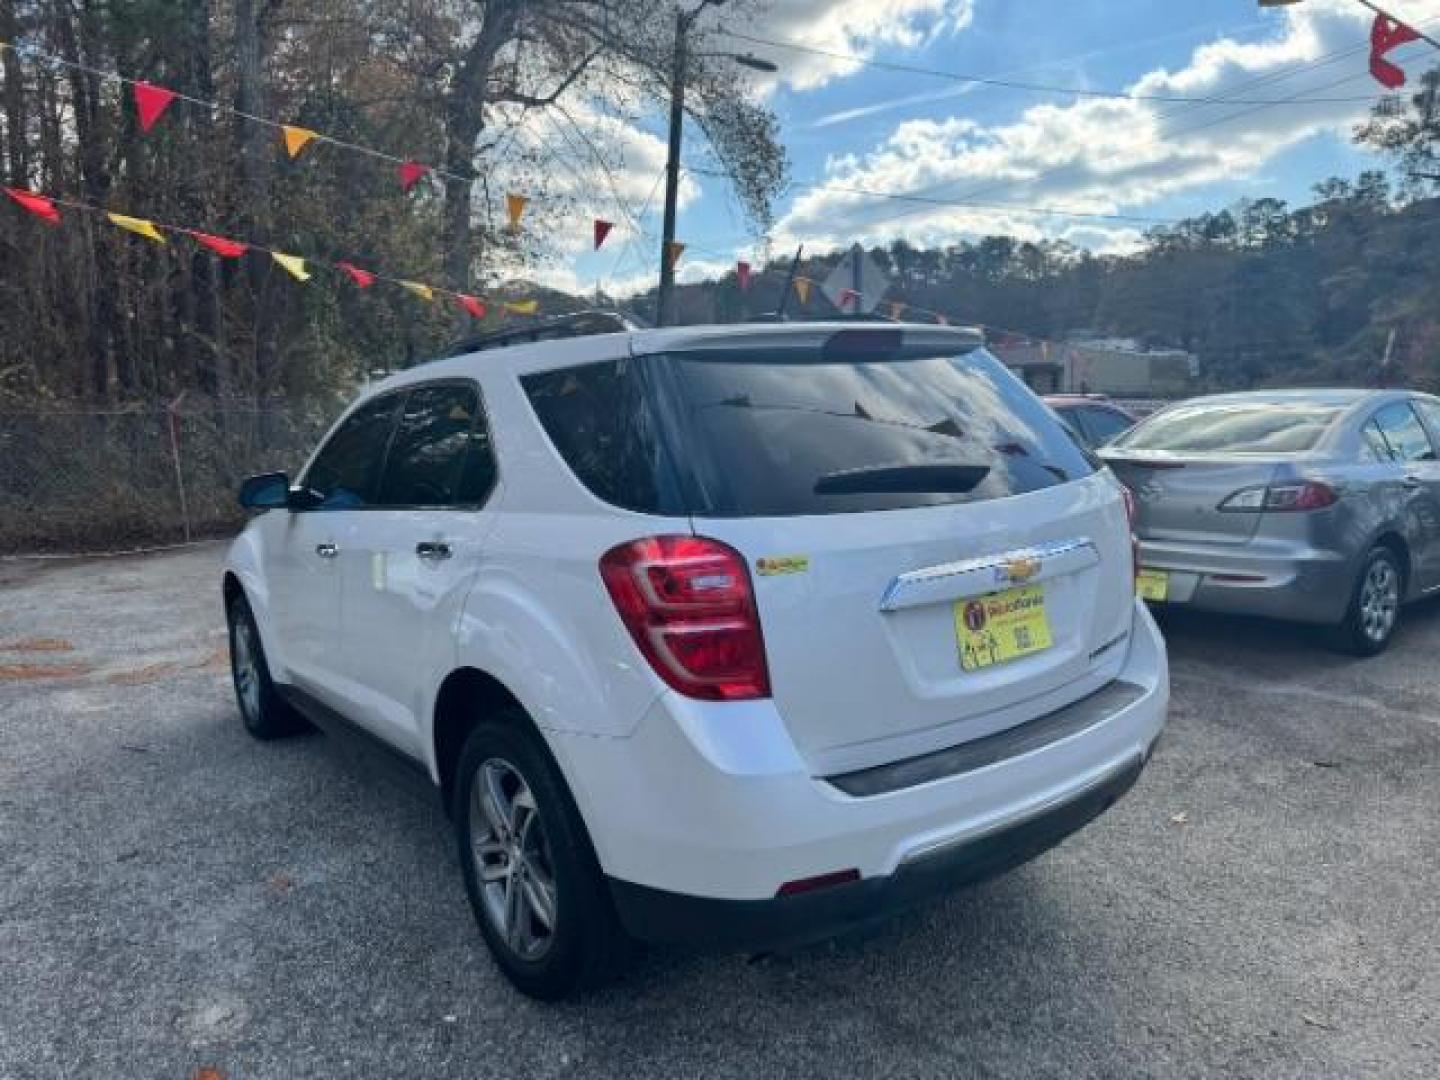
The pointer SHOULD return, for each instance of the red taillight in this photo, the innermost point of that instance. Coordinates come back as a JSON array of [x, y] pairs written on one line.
[[688, 603], [1281, 498], [1130, 512]]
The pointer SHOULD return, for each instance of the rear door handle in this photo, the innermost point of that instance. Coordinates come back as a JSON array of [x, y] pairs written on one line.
[[326, 551], [432, 549]]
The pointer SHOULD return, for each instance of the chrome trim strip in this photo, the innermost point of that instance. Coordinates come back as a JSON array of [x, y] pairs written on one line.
[[1052, 557]]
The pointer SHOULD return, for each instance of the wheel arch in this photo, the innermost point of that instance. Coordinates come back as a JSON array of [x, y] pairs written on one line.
[[1393, 540], [467, 696]]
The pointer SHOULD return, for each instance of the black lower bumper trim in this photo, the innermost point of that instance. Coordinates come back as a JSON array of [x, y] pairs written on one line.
[[675, 918]]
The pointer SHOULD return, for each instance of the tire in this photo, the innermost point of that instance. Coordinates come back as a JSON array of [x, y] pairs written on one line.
[[265, 713], [1374, 611], [537, 863]]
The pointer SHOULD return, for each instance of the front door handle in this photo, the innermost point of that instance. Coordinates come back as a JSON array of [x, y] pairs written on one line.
[[432, 549], [326, 551]]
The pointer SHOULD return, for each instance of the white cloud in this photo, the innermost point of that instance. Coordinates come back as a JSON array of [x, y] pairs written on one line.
[[1103, 156], [845, 26]]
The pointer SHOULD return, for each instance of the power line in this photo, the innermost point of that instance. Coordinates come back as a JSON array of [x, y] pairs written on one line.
[[1012, 84]]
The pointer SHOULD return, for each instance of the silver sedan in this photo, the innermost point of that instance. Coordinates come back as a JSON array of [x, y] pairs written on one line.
[[1319, 506]]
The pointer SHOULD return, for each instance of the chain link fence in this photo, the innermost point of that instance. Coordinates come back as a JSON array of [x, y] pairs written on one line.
[[111, 480]]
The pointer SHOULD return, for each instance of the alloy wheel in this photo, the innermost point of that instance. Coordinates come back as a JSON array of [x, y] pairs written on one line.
[[1379, 600], [512, 859], [244, 658]]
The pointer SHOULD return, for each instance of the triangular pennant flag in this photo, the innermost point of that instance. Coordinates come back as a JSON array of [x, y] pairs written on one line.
[[742, 275], [522, 307], [515, 209], [151, 102], [473, 304], [941, 319], [424, 292], [602, 230], [1386, 35], [293, 264], [226, 249], [139, 226], [296, 139], [362, 278], [802, 289], [673, 251], [896, 307], [38, 205], [410, 174], [849, 300]]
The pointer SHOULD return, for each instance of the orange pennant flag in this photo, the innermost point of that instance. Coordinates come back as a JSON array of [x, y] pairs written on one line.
[[297, 138], [522, 307], [424, 292], [139, 226], [673, 251], [896, 307], [802, 289], [515, 209], [294, 265]]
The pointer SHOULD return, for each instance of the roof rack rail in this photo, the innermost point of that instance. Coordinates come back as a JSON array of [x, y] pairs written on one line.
[[580, 324]]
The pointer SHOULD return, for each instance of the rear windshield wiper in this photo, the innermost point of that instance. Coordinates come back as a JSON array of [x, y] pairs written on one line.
[[958, 479]]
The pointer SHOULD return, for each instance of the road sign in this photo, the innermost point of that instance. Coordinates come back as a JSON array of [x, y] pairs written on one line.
[[858, 284]]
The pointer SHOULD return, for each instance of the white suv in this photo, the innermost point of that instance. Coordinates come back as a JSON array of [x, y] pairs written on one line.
[[738, 635]]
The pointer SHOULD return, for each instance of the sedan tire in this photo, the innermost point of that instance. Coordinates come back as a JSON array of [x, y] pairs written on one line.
[[1374, 610]]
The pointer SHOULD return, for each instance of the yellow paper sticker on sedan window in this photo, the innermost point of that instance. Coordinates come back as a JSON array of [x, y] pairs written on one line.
[[775, 565]]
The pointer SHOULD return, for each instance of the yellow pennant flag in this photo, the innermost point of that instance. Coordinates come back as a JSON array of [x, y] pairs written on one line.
[[673, 251], [293, 264], [139, 226], [522, 307], [802, 289], [296, 139], [425, 292], [515, 209]]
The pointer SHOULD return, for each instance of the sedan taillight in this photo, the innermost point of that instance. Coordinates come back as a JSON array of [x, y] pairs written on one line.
[[1130, 515], [690, 607], [1301, 495]]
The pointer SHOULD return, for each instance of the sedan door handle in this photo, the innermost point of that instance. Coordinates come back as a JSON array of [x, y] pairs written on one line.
[[326, 551], [432, 549]]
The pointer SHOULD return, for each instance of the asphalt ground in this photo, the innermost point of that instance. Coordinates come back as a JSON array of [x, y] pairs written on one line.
[[175, 897]]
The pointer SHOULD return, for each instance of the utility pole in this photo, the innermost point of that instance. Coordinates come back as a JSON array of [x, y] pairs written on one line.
[[678, 72]]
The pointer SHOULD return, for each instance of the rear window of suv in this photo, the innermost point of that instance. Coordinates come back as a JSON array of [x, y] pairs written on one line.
[[757, 436]]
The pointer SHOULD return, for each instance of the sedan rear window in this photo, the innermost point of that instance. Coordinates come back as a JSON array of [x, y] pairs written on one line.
[[1223, 427], [755, 435]]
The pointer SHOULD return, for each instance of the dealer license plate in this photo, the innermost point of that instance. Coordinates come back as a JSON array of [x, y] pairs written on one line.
[[1153, 584], [1001, 627]]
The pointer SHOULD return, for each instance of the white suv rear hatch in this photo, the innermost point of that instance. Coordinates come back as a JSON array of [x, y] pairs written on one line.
[[933, 557]]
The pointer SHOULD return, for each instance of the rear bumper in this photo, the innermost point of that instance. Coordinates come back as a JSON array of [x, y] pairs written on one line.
[[675, 918], [1300, 584], [701, 815]]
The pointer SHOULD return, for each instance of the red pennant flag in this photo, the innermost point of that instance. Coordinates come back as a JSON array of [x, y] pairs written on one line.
[[362, 278], [941, 319], [602, 230], [473, 304], [1386, 35], [742, 275], [410, 174], [151, 102], [38, 205], [226, 249], [849, 298]]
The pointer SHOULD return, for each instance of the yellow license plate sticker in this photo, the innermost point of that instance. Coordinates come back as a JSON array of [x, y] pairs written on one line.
[[1002, 626], [1153, 584]]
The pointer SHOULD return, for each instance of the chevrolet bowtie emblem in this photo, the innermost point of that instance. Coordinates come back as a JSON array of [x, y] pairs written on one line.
[[1022, 570]]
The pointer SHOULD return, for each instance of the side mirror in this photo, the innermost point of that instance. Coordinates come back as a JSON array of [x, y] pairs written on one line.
[[268, 491]]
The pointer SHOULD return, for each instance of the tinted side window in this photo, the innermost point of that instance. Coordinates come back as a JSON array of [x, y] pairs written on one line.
[[347, 469], [600, 419], [1376, 448], [1103, 424], [1404, 434], [436, 458]]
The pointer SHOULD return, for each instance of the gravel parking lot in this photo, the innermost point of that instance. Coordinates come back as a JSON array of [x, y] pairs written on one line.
[[174, 896]]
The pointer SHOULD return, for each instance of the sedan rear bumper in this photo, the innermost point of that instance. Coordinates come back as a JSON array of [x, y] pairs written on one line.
[[1279, 581]]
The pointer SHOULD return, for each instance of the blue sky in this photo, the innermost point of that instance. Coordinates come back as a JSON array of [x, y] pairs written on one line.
[[848, 124]]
